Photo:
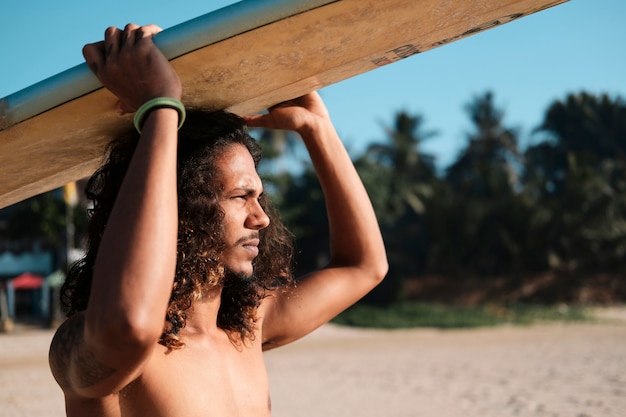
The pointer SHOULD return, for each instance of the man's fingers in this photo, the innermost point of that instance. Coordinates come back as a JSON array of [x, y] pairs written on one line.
[[112, 40], [151, 30], [128, 34], [147, 31], [94, 55], [257, 120], [122, 108]]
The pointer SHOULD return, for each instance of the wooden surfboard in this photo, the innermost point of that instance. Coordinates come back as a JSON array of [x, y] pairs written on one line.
[[244, 58]]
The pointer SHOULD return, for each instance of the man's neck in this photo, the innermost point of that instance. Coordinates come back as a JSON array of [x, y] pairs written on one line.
[[202, 316]]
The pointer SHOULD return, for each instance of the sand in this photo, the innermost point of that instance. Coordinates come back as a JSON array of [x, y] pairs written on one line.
[[569, 370]]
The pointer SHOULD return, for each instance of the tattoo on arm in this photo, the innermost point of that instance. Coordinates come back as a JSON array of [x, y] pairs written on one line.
[[59, 354], [68, 354]]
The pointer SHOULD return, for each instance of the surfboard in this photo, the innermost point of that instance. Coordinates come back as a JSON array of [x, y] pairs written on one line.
[[243, 58]]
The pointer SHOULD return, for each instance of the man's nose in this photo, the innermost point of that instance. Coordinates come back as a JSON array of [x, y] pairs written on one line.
[[257, 218]]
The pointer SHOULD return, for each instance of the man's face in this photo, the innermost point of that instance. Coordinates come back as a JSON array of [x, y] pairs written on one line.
[[243, 215]]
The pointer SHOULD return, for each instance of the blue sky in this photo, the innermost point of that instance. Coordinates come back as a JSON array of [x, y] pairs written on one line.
[[529, 63]]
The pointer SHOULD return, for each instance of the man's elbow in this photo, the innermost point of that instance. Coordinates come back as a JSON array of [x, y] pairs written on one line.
[[126, 331], [376, 269], [381, 269]]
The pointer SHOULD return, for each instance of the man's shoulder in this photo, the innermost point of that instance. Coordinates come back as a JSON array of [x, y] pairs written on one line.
[[69, 333]]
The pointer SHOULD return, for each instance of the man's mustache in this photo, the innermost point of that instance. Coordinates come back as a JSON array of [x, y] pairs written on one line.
[[251, 236]]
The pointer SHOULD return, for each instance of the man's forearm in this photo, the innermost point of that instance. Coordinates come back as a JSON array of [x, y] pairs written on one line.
[[137, 256], [355, 237]]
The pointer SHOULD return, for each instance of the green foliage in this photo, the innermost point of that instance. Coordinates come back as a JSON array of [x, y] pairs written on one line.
[[407, 172], [409, 315], [578, 179], [487, 166], [42, 217], [476, 226]]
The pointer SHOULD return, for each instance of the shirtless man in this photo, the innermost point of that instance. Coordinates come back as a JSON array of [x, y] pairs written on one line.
[[115, 355]]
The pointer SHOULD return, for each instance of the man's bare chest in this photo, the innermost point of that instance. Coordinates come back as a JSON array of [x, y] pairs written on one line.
[[202, 381]]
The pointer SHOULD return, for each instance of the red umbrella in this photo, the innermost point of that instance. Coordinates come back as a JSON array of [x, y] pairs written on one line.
[[27, 281]]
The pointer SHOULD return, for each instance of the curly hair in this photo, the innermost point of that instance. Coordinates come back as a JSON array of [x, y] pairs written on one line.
[[203, 139]]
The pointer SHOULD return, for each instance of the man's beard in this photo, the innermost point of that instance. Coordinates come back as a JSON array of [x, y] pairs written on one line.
[[238, 285], [242, 277], [240, 297]]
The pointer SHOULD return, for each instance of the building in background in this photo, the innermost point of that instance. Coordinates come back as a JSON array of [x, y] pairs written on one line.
[[38, 241]]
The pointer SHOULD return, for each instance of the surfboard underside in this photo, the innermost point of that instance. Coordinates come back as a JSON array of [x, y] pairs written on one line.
[[247, 73]]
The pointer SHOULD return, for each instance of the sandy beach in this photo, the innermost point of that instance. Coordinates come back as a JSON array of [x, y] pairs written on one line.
[[569, 370]]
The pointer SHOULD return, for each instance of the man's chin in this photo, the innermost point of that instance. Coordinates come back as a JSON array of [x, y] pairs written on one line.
[[241, 276]]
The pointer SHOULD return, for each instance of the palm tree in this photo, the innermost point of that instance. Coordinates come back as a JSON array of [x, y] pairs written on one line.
[[401, 181], [587, 123], [409, 171], [593, 128], [489, 165], [578, 177], [478, 225]]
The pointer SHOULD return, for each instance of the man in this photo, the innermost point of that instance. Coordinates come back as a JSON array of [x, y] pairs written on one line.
[[181, 230]]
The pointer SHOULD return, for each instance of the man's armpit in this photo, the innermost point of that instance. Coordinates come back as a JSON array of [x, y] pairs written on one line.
[[68, 355]]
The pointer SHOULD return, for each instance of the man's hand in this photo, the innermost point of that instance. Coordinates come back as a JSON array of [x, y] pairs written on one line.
[[129, 65], [300, 114]]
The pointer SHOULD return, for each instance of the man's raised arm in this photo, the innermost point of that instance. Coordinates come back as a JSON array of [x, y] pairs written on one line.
[[98, 352], [358, 261]]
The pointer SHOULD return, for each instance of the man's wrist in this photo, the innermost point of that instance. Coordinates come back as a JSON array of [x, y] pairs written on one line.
[[158, 103], [316, 127]]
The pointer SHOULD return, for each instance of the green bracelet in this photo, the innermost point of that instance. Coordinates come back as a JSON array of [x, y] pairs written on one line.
[[158, 103]]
